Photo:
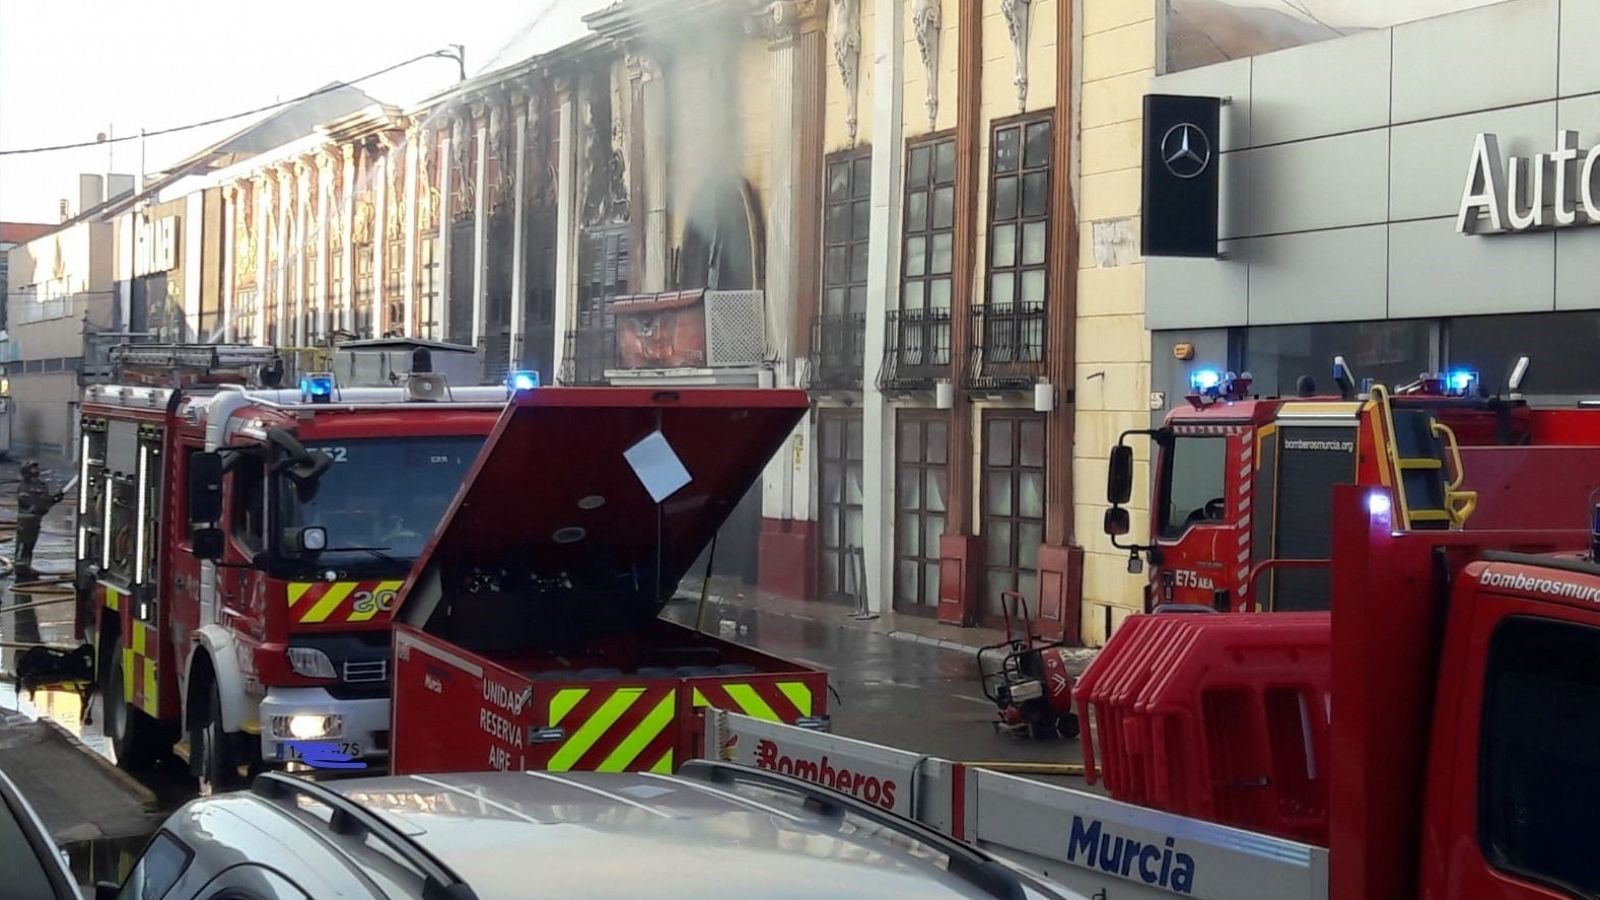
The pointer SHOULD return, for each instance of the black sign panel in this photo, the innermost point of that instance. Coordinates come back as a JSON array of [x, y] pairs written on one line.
[[1181, 148], [1311, 460]]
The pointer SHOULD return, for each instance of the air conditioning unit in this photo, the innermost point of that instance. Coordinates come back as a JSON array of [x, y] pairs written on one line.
[[736, 328]]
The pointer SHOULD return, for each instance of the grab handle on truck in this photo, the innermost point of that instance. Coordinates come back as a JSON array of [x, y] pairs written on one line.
[[1459, 503]]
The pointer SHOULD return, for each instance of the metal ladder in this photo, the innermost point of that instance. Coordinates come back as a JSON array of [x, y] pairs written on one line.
[[1417, 445]]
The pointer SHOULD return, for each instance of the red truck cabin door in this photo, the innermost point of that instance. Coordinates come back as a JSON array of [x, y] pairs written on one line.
[[1514, 774]]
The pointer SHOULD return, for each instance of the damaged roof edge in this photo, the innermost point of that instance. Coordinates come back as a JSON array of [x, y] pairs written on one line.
[[566, 53]]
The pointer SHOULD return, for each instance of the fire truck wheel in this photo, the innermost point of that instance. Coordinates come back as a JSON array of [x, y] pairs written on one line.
[[217, 765], [134, 735]]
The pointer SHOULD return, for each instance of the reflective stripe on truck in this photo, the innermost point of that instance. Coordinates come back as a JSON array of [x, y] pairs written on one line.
[[1093, 844]]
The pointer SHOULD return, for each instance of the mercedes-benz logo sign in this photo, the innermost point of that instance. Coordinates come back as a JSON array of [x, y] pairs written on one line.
[[1185, 150]]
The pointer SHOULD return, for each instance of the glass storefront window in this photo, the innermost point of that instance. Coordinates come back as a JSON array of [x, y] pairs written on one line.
[[1561, 346], [1393, 353]]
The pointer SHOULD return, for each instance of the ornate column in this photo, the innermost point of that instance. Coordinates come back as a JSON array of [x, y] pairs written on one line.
[[883, 287], [650, 122], [344, 303], [378, 171], [284, 174], [264, 273], [927, 20], [566, 231], [325, 213], [230, 210], [480, 222], [303, 173], [844, 30], [1016, 13], [520, 193], [416, 139], [446, 219]]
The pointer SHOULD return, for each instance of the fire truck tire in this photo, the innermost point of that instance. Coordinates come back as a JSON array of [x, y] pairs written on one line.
[[216, 762], [135, 736]]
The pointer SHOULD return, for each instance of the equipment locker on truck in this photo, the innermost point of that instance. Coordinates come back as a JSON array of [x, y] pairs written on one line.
[[239, 547], [528, 635]]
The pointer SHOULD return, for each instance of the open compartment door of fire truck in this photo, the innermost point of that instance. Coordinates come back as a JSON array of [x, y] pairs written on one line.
[[528, 635]]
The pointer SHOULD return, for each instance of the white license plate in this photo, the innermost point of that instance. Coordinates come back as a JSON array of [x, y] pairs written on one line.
[[292, 752]]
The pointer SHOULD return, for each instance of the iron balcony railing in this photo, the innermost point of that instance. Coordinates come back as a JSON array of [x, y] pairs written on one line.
[[916, 349], [1008, 344], [838, 350]]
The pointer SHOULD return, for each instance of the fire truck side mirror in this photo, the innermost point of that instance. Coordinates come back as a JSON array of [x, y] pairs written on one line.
[[206, 543], [1116, 522], [205, 488], [1119, 479]]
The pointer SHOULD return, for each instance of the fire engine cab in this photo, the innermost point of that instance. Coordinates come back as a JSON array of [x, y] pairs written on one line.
[[1241, 484], [240, 545]]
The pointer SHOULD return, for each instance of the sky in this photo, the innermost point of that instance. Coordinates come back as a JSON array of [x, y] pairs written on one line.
[[70, 69]]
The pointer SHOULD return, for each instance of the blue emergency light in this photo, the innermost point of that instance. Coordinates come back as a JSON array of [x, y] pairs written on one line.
[[524, 380], [1461, 381], [317, 387], [1203, 380]]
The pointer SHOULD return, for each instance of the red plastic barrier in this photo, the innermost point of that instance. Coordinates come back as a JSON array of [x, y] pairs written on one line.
[[1219, 717]]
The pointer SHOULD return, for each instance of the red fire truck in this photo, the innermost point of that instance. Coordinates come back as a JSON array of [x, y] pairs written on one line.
[[240, 547], [1240, 484], [528, 636], [1430, 737]]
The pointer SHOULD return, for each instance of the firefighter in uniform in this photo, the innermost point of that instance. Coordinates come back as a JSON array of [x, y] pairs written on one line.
[[34, 499]]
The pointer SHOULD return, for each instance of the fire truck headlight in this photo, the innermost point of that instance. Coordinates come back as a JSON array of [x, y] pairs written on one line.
[[311, 663], [307, 727], [1204, 379]]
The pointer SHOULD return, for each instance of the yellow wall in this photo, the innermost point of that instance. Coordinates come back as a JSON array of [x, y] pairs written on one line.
[[836, 135], [1113, 377], [915, 111]]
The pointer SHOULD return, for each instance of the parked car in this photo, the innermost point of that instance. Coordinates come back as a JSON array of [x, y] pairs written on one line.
[[31, 865], [713, 830]]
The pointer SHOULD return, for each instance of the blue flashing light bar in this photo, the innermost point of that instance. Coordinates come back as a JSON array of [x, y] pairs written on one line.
[[1461, 381], [524, 380], [317, 387], [1204, 380]]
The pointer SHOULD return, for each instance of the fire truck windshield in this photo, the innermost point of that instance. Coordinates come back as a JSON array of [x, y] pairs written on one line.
[[384, 494], [1193, 482]]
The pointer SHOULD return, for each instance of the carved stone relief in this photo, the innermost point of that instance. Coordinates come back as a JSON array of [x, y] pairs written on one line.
[[428, 174], [1016, 13], [394, 218], [605, 155], [926, 21], [844, 28]]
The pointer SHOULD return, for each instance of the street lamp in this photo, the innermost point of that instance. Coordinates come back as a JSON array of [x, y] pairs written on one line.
[[457, 52]]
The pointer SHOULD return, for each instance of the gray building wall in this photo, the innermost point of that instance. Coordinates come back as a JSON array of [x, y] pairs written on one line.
[[1343, 164]]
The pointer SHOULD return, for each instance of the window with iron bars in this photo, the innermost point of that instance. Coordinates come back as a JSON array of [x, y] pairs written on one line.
[[394, 291], [244, 315], [336, 299], [919, 331], [308, 297], [363, 294], [429, 287], [1012, 323], [841, 325]]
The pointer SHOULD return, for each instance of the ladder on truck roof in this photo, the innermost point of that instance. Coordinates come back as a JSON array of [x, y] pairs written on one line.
[[158, 364]]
